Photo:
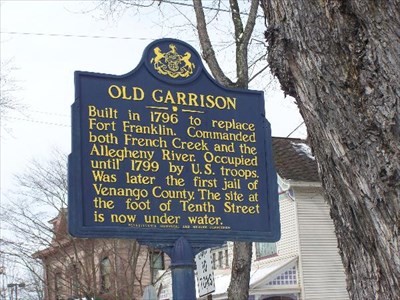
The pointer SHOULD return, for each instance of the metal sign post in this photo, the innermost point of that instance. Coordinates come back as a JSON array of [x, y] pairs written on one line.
[[182, 269]]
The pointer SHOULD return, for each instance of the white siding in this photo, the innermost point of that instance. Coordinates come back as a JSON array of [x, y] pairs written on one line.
[[322, 272], [288, 244]]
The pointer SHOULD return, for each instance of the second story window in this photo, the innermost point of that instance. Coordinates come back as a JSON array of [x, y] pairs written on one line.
[[156, 263], [105, 273], [265, 249], [73, 273], [58, 285], [220, 259], [226, 258]]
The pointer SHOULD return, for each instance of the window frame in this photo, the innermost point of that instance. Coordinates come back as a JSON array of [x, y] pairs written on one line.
[[156, 256], [105, 274], [265, 250]]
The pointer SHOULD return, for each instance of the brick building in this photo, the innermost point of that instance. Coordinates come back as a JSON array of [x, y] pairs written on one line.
[[99, 268]]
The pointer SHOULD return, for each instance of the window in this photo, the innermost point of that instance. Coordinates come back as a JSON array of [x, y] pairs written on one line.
[[75, 285], [156, 263], [226, 259], [281, 298], [74, 282], [220, 259], [265, 249], [105, 273], [58, 285], [213, 261], [287, 278]]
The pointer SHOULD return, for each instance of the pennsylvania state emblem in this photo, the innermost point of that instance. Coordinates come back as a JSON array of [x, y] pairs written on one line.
[[172, 63]]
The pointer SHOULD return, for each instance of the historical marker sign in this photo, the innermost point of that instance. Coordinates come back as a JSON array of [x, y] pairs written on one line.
[[165, 152]]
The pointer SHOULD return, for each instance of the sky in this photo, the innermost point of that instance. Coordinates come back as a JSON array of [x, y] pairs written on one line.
[[44, 42]]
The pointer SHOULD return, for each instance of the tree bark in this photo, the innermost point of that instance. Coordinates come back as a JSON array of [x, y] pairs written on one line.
[[340, 60], [240, 273]]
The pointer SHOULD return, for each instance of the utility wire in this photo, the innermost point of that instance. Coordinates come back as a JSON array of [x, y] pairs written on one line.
[[205, 7], [293, 131], [49, 113], [90, 36], [116, 37], [39, 122], [77, 35]]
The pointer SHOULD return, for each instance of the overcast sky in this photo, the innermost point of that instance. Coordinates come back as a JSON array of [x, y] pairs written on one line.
[[44, 42]]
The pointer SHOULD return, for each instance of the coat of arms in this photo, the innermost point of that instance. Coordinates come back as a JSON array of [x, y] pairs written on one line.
[[172, 63]]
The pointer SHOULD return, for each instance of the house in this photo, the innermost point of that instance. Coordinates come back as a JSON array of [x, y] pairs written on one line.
[[305, 263], [96, 268]]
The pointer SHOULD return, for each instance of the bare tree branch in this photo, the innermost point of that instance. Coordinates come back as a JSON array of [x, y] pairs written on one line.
[[206, 46], [258, 73], [8, 86], [242, 38]]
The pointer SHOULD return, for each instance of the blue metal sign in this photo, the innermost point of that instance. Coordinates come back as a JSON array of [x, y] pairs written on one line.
[[165, 152]]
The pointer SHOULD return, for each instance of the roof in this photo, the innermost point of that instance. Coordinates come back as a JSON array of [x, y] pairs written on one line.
[[260, 275], [294, 160]]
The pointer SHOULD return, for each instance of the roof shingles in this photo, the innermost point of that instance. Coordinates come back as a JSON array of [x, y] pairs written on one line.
[[293, 160]]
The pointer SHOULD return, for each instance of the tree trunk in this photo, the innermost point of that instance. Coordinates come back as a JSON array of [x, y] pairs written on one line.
[[240, 273], [341, 62], [242, 251]]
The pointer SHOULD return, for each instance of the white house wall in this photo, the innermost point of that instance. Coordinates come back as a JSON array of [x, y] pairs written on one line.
[[288, 244], [322, 271]]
